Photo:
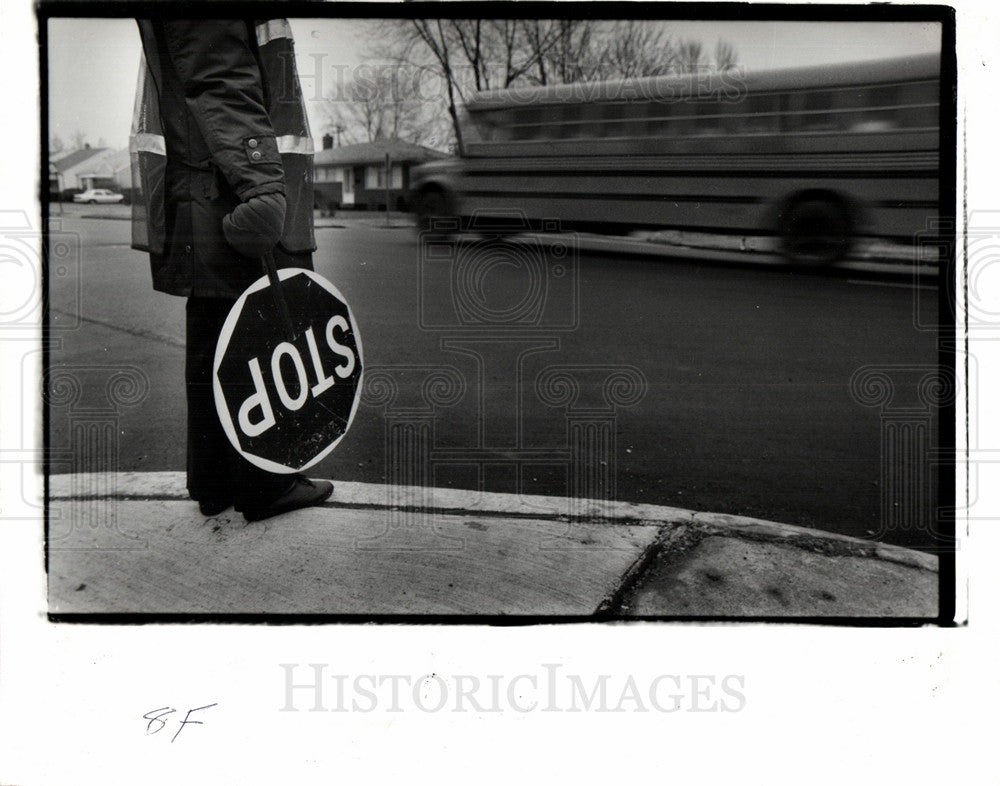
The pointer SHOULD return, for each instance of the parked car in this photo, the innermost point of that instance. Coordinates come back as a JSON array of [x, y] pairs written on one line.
[[94, 195]]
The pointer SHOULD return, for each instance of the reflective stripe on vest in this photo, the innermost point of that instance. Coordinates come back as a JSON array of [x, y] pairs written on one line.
[[297, 145], [272, 30], [148, 143], [287, 111], [148, 157], [155, 143]]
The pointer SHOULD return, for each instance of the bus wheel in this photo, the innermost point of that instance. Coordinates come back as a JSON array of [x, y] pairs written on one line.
[[816, 231], [435, 219]]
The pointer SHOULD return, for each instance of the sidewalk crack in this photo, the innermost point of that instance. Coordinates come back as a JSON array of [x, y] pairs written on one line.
[[668, 538]]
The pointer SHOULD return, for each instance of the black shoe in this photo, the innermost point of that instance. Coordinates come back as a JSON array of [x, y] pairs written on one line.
[[211, 507], [303, 494]]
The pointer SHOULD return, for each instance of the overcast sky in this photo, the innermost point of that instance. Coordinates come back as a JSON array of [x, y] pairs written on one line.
[[93, 63]]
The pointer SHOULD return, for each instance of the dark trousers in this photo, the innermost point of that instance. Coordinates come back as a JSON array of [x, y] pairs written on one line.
[[215, 471]]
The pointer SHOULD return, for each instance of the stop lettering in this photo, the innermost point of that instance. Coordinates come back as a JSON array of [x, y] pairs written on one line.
[[285, 399]]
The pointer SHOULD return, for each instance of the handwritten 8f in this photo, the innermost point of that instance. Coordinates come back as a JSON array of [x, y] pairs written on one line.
[[157, 723]]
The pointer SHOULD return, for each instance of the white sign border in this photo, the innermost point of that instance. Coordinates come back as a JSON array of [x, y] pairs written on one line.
[[222, 408]]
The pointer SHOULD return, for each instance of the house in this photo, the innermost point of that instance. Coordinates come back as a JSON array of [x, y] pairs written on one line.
[[355, 175], [115, 171], [78, 169]]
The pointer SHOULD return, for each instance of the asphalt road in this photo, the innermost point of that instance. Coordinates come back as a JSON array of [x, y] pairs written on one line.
[[743, 401]]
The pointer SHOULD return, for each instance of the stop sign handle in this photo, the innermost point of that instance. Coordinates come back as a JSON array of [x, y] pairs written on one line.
[[279, 299]]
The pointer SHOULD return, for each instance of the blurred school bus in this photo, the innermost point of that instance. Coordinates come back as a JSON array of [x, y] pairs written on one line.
[[816, 157]]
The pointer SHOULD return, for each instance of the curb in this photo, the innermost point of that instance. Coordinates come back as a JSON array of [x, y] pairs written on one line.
[[106, 218], [719, 253], [349, 494], [653, 245]]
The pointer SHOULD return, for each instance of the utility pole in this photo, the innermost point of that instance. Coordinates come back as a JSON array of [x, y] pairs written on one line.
[[388, 183]]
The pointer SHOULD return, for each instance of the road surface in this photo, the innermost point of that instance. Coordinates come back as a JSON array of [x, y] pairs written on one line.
[[742, 400]]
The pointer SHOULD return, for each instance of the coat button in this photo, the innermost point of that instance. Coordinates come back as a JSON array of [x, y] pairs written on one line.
[[255, 155], [187, 249], [252, 142]]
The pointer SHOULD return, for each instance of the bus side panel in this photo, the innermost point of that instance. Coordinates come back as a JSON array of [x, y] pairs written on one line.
[[884, 204]]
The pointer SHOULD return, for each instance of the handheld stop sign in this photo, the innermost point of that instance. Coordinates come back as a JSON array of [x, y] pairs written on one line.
[[287, 370]]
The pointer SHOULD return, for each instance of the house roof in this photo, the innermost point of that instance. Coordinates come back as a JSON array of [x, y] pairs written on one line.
[[77, 157], [116, 162], [375, 152]]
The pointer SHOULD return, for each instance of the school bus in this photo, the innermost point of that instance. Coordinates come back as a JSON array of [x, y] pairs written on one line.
[[814, 157]]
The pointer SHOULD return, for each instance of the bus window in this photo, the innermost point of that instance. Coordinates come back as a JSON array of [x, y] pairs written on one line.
[[818, 112], [632, 118], [709, 118], [881, 112], [527, 123], [918, 93], [570, 122], [789, 105], [850, 98], [476, 126], [614, 120], [917, 116], [755, 114], [501, 127], [494, 126], [658, 113], [875, 122], [882, 96], [686, 124], [590, 120], [918, 107]]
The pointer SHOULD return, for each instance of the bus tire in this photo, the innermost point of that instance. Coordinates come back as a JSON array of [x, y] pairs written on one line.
[[816, 230]]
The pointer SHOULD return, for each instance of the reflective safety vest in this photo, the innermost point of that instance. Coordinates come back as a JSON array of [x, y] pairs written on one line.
[[285, 108]]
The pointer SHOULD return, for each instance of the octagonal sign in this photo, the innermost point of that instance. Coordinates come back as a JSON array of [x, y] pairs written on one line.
[[286, 391]]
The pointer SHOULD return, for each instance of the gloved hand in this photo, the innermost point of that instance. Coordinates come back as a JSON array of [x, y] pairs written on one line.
[[254, 227]]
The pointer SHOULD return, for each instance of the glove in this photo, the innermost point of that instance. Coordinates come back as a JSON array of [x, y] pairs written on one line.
[[254, 227]]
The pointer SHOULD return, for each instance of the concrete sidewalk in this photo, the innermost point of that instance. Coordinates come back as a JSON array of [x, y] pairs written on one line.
[[134, 543]]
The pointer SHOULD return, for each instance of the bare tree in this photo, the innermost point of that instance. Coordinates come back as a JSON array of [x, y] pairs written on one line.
[[355, 119], [432, 33], [688, 55], [573, 57], [633, 49], [515, 59], [470, 55], [78, 139], [468, 35], [473, 55], [378, 104], [539, 37], [725, 56], [56, 145]]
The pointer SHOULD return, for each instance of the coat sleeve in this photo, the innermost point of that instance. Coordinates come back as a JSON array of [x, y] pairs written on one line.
[[223, 89]]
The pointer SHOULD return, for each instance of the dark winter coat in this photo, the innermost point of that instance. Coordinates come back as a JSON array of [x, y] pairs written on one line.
[[219, 120]]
